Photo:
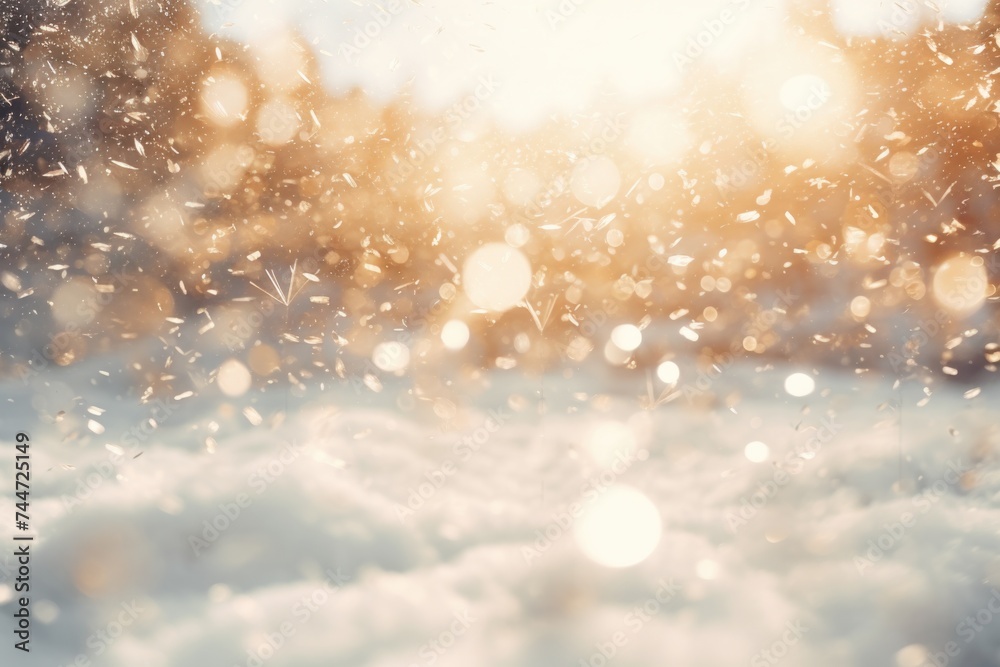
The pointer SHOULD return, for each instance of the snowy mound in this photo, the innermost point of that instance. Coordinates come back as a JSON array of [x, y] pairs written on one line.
[[856, 525]]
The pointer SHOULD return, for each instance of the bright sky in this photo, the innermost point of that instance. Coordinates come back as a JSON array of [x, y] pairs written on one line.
[[545, 56]]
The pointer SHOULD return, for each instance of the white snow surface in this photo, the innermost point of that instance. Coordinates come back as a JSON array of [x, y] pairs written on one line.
[[803, 561]]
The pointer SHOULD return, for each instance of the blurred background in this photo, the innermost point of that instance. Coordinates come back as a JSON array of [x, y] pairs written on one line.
[[679, 177], [230, 227]]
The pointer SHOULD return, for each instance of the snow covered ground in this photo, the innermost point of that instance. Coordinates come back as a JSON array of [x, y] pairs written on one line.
[[350, 531]]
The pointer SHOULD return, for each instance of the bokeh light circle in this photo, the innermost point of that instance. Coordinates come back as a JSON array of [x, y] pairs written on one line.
[[620, 529]]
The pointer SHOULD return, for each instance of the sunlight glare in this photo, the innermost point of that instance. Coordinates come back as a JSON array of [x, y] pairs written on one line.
[[620, 529]]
